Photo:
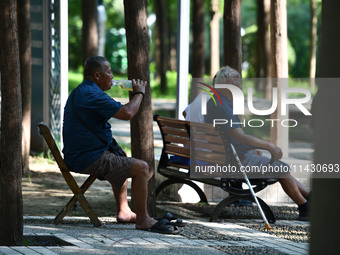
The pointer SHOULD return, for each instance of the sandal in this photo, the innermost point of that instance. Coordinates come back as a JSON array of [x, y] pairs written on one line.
[[172, 220], [163, 227]]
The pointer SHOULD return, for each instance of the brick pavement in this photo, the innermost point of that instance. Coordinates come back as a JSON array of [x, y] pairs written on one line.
[[114, 238]]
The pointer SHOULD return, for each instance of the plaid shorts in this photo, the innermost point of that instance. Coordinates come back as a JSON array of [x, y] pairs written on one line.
[[115, 169]]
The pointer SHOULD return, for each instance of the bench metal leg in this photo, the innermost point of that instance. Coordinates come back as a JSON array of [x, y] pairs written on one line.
[[232, 198], [168, 182]]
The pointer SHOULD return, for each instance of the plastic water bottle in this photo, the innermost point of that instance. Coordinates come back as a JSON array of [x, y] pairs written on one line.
[[123, 84]]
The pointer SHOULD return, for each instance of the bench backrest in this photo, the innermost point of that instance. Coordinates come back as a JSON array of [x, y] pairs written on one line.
[[196, 141]]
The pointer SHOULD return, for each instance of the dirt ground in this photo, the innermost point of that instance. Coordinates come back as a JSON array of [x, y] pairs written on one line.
[[45, 191]]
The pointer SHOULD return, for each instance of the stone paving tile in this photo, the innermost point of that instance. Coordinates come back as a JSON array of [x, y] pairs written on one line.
[[42, 250], [141, 241], [7, 250], [24, 250], [173, 241], [156, 241]]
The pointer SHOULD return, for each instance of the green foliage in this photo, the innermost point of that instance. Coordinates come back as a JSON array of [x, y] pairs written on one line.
[[114, 13], [249, 51], [75, 24], [115, 50], [298, 19], [298, 16], [75, 78]]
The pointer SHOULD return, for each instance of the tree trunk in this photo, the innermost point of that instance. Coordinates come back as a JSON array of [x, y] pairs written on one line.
[[11, 215], [313, 35], [90, 29], [278, 27], [197, 70], [137, 40], [263, 67], [24, 35], [232, 42], [325, 219], [215, 38], [172, 46], [161, 45], [197, 61]]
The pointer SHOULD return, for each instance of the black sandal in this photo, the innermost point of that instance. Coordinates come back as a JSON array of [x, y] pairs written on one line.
[[172, 220], [163, 227]]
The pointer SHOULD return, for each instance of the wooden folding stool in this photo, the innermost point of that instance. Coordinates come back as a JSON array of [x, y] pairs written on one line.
[[77, 191]]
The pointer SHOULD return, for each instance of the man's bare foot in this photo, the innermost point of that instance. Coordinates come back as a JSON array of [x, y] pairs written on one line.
[[147, 223], [126, 217]]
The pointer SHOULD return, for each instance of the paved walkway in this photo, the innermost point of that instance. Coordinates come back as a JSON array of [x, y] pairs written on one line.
[[114, 238]]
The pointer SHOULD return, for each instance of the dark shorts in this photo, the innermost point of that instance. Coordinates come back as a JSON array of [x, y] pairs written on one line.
[[115, 169]]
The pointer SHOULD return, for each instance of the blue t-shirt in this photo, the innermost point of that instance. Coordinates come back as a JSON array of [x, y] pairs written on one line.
[[225, 113], [81, 147]]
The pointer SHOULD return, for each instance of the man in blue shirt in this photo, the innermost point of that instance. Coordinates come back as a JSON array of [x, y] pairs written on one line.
[[244, 143], [90, 148]]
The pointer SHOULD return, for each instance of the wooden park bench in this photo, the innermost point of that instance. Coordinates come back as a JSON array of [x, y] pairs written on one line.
[[78, 192], [199, 142]]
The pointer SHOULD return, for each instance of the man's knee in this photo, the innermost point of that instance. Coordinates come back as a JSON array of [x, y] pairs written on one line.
[[140, 168]]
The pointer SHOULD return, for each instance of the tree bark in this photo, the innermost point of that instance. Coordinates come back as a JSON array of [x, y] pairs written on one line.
[[161, 45], [90, 29], [263, 66], [215, 38], [11, 215], [313, 35], [137, 40], [197, 60], [232, 41], [197, 63], [325, 219], [278, 27], [24, 35]]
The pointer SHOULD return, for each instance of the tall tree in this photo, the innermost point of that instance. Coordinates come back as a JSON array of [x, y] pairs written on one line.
[[90, 29], [137, 41], [278, 29], [325, 219], [263, 67], [197, 59], [197, 63], [215, 37], [232, 41], [161, 43], [313, 36], [11, 209], [24, 34]]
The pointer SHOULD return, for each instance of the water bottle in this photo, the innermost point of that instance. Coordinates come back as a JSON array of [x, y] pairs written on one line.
[[123, 84]]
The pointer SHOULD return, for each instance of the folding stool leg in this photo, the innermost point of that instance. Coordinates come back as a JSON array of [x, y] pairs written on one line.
[[78, 196]]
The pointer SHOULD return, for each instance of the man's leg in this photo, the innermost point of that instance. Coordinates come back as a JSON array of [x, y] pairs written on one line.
[[124, 213], [289, 185], [303, 190], [140, 176]]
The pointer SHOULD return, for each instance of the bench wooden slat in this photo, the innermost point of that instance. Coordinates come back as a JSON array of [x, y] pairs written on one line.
[[207, 146], [212, 157], [179, 132], [204, 137], [172, 123], [176, 139], [177, 150]]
